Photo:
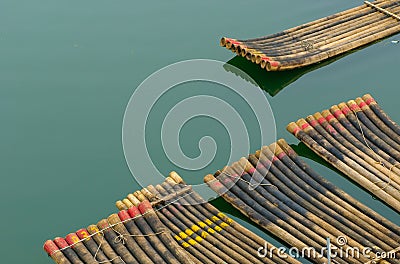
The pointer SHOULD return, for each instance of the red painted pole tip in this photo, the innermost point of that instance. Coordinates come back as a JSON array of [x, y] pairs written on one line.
[[124, 215], [50, 247], [145, 206]]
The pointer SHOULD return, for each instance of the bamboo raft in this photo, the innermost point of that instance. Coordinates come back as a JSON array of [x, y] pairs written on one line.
[[296, 204], [321, 39], [360, 140], [150, 229]]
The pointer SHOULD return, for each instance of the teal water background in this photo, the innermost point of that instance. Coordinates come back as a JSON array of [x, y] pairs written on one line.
[[68, 69]]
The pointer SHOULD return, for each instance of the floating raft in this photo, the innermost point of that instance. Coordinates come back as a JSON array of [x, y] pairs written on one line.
[[296, 204], [319, 40], [359, 139], [150, 229], [133, 236], [203, 231]]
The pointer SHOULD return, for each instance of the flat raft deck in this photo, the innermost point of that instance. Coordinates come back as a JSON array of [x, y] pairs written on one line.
[[321, 39]]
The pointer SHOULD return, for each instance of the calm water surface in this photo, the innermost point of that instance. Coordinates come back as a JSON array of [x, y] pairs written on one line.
[[68, 68]]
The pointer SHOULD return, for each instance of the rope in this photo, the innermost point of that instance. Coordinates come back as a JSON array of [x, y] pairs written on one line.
[[379, 160], [121, 237], [121, 222], [249, 183], [386, 12], [98, 249]]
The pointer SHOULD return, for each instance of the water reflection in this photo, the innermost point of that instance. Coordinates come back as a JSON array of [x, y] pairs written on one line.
[[274, 82]]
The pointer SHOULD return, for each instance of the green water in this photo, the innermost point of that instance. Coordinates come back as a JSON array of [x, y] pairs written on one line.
[[68, 69]]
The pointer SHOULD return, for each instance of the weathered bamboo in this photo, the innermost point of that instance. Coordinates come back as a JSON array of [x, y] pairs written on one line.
[[67, 251], [104, 245], [115, 243], [205, 247], [345, 200], [360, 116], [200, 235], [326, 41], [302, 28], [344, 26], [80, 249], [178, 254], [341, 153], [376, 120], [214, 220], [322, 206], [380, 32], [54, 252], [354, 175], [349, 121], [92, 246], [328, 37], [143, 253], [240, 231], [369, 233], [281, 202], [209, 231], [132, 229], [370, 101], [254, 214], [348, 131], [159, 222], [349, 149], [319, 205]]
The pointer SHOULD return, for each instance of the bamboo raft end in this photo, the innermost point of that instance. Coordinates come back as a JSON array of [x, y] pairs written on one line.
[[321, 39]]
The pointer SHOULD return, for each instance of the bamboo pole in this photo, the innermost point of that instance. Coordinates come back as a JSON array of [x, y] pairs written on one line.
[[304, 27], [114, 242], [370, 101], [293, 160], [376, 120], [104, 245], [359, 114], [354, 175], [344, 25], [350, 120], [239, 229], [346, 147], [326, 40], [212, 220], [342, 153], [208, 231], [217, 220], [80, 249], [357, 140], [284, 203], [304, 195], [67, 251], [194, 251], [163, 242], [135, 242], [54, 252], [347, 130], [154, 250], [254, 214], [184, 231], [92, 246]]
